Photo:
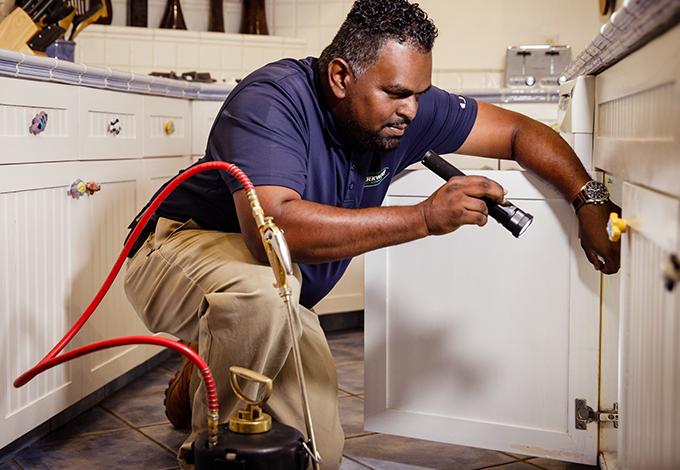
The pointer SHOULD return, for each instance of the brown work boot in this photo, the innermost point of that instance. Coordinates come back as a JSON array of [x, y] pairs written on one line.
[[178, 395]]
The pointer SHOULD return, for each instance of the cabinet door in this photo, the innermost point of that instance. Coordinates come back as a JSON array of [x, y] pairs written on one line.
[[40, 263], [481, 339], [102, 221], [650, 333]]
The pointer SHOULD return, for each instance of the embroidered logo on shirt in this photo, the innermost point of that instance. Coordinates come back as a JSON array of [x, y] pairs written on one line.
[[463, 102], [374, 179]]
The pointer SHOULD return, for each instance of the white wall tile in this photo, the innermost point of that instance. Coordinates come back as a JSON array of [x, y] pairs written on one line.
[[92, 51], [307, 14], [332, 13], [253, 58], [210, 57], [285, 16], [473, 80], [164, 54], [285, 32], [141, 54], [188, 56], [117, 53], [447, 80]]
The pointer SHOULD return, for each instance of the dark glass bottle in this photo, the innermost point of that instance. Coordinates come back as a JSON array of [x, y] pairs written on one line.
[[253, 18], [173, 17], [216, 18]]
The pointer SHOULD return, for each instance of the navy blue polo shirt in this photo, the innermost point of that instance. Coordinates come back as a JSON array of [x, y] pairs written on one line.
[[275, 126]]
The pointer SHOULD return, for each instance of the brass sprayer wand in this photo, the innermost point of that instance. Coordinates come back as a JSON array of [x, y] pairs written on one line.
[[280, 261]]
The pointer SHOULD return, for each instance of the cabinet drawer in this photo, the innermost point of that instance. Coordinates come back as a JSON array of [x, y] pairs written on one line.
[[203, 116], [55, 140], [637, 116], [167, 126], [111, 124]]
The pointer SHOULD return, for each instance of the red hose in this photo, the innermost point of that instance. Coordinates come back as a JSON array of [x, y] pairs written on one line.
[[52, 359]]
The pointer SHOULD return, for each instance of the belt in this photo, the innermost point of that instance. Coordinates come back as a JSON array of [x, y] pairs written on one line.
[[149, 228]]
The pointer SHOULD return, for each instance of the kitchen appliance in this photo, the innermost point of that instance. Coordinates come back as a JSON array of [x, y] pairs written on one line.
[[575, 111], [536, 66]]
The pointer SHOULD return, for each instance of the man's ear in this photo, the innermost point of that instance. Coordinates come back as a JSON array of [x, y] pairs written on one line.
[[340, 77]]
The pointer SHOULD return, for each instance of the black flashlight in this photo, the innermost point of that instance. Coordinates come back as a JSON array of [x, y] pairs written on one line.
[[507, 214]]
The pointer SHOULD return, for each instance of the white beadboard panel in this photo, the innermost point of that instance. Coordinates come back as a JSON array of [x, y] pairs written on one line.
[[20, 102], [644, 115], [36, 247], [108, 213], [637, 116], [650, 335], [37, 268]]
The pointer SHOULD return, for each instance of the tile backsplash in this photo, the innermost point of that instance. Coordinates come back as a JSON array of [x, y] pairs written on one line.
[[468, 55]]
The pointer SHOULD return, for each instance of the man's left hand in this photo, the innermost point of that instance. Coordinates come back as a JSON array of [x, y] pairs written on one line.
[[602, 253]]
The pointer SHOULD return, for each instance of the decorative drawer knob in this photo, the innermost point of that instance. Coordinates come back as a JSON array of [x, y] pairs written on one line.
[[616, 226], [79, 188], [114, 127], [39, 123], [169, 127], [671, 272]]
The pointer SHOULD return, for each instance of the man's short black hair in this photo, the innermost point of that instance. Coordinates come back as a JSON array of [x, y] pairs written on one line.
[[370, 24]]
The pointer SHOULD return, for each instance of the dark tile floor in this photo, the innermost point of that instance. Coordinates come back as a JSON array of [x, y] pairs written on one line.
[[129, 430]]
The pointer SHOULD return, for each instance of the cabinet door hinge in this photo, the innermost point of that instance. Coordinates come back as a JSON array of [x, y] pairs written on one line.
[[585, 414]]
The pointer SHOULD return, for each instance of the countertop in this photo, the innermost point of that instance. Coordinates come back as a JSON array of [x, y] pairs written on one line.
[[19, 65]]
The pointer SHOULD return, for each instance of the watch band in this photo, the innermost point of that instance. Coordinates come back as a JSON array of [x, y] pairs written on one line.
[[579, 200], [583, 198]]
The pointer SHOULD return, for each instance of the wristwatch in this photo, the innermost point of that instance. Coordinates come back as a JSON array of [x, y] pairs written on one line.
[[593, 192]]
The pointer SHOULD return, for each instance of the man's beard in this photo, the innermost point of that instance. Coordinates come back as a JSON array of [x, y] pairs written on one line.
[[369, 140]]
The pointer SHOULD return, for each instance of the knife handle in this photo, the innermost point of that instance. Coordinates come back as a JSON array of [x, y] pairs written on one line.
[[89, 17], [16, 30]]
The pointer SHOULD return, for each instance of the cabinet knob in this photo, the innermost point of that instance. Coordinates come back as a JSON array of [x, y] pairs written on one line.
[[79, 188], [616, 226], [114, 127], [39, 123], [671, 272], [169, 127]]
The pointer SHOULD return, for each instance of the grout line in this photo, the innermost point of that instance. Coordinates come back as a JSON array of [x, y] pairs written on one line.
[[350, 393], [519, 459], [500, 465], [356, 461], [356, 436], [16, 464], [136, 429]]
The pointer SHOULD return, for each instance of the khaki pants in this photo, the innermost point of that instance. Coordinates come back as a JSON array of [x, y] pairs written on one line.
[[205, 285]]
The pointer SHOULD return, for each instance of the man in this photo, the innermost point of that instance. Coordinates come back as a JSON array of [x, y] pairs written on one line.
[[321, 140]]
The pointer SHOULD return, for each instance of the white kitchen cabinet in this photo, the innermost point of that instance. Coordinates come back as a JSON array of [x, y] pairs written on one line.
[[167, 126], [40, 261], [112, 124], [20, 102], [637, 130], [203, 114], [57, 250], [481, 339], [650, 332]]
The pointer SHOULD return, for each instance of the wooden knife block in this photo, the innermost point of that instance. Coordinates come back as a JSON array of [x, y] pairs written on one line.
[[16, 30]]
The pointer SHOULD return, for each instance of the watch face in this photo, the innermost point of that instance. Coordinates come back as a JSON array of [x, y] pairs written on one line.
[[596, 192]]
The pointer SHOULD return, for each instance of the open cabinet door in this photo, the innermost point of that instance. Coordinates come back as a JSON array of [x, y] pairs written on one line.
[[480, 339]]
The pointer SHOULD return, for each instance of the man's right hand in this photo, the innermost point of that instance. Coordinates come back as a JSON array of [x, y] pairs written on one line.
[[458, 203]]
